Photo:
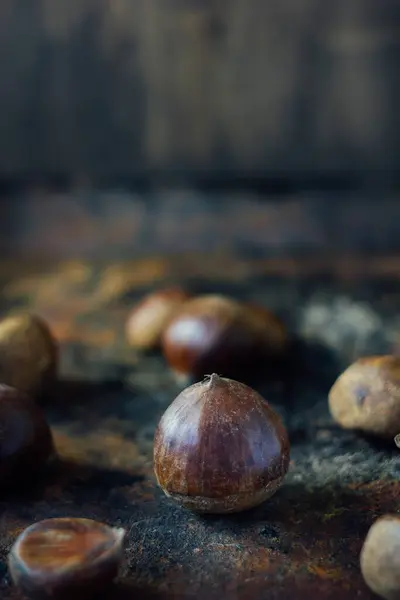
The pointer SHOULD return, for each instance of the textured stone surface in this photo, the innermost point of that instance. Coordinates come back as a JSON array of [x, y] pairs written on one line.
[[306, 540]]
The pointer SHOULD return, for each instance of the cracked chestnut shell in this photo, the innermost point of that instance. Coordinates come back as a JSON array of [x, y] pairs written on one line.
[[380, 557], [28, 354], [214, 333], [26, 443], [220, 448], [66, 558], [148, 320], [366, 396]]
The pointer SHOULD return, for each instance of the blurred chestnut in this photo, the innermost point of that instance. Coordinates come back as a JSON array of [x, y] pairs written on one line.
[[220, 448], [150, 317], [397, 440], [25, 438], [366, 396], [214, 333], [66, 558], [28, 354], [276, 335], [380, 557]]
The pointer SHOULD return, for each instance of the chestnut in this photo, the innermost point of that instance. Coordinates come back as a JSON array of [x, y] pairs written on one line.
[[149, 318], [366, 396], [380, 557], [28, 354], [215, 333], [26, 442], [66, 558], [275, 331], [220, 448], [397, 440]]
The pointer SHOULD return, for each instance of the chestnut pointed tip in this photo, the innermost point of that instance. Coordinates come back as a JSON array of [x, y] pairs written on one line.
[[212, 379]]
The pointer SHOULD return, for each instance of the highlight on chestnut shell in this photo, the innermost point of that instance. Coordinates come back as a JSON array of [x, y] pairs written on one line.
[[366, 396], [66, 558], [148, 319], [26, 442], [28, 354], [214, 333], [220, 448]]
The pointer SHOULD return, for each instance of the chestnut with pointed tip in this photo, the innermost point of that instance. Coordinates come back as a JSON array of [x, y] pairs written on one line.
[[148, 320], [214, 333], [380, 557], [66, 558], [366, 396], [220, 448], [26, 443], [28, 354]]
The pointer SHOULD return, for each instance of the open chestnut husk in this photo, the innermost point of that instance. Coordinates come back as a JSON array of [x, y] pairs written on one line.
[[366, 396], [148, 320], [380, 557], [26, 443], [28, 354], [66, 558], [213, 333], [220, 448]]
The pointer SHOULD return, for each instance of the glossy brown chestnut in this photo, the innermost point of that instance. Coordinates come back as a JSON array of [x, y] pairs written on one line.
[[214, 333], [28, 354], [366, 396], [220, 448], [380, 557], [26, 442], [66, 558], [147, 321]]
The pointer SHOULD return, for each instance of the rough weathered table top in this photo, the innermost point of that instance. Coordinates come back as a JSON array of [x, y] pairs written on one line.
[[306, 540]]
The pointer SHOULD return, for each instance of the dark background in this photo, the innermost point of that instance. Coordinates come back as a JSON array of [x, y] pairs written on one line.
[[267, 126], [114, 88]]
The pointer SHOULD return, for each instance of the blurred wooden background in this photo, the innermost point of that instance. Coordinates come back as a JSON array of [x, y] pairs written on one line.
[[110, 87]]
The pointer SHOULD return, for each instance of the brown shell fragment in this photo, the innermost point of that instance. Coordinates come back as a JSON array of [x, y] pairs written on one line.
[[66, 558]]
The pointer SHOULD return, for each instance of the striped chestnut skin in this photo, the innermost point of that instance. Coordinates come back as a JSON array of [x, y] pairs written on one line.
[[66, 558], [213, 333], [220, 448]]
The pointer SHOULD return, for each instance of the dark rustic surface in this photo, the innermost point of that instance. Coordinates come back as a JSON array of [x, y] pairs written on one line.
[[306, 540], [115, 224], [115, 87]]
